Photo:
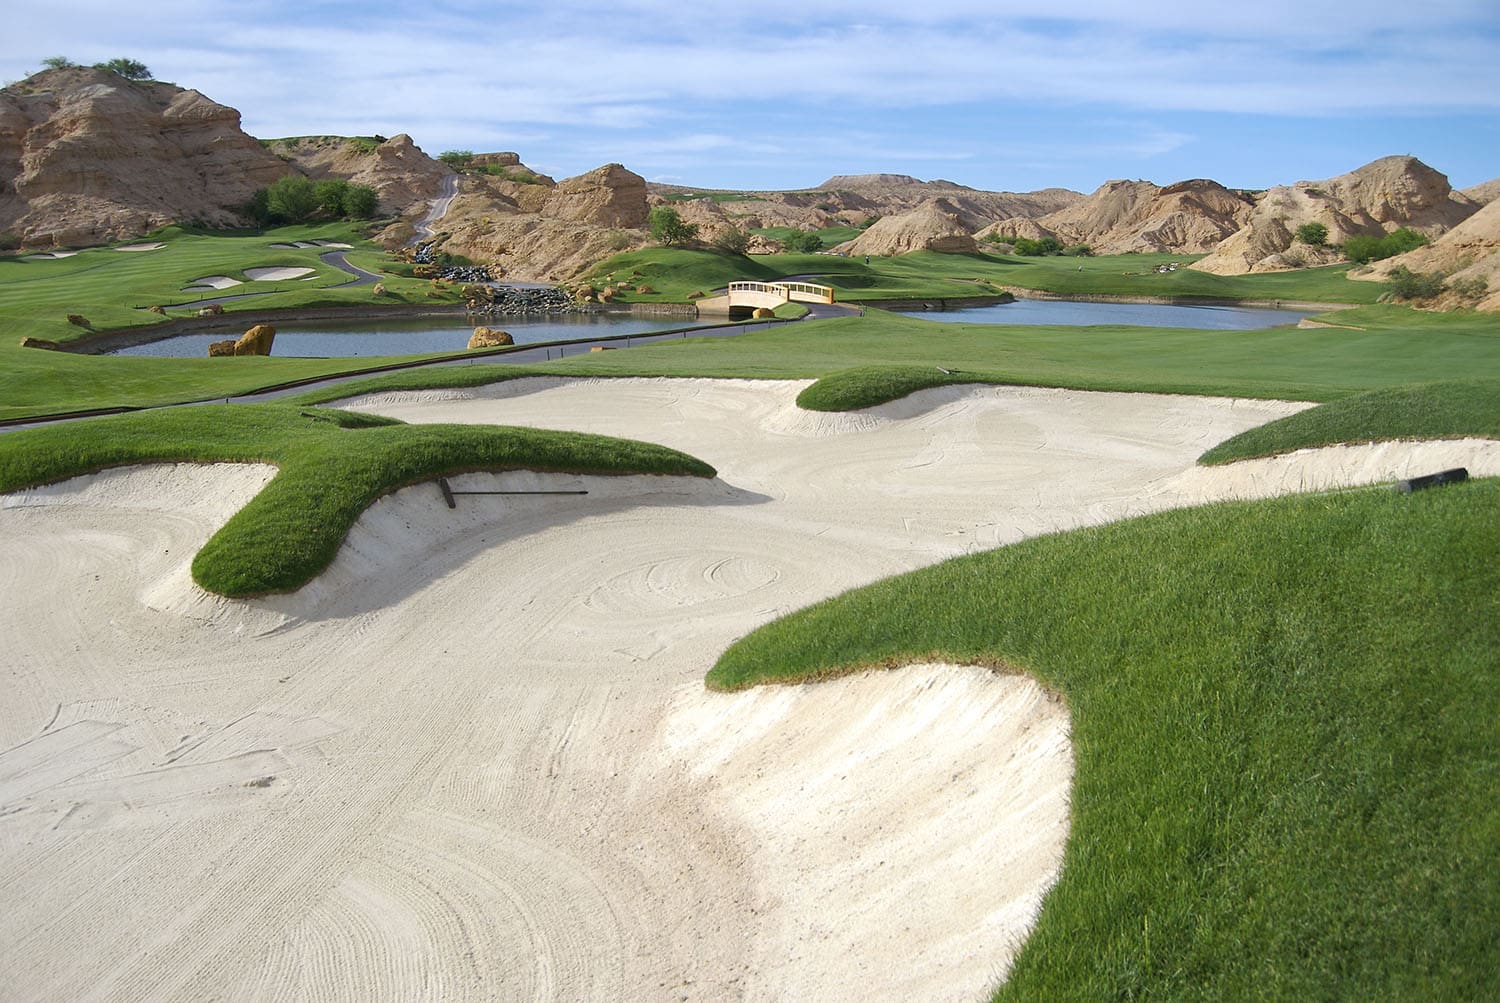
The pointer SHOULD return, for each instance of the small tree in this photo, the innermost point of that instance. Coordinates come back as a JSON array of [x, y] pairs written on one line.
[[732, 241], [802, 242], [130, 69], [1409, 285], [259, 207], [292, 199], [1313, 234], [361, 202], [1362, 249], [456, 159], [330, 194], [668, 228], [57, 63]]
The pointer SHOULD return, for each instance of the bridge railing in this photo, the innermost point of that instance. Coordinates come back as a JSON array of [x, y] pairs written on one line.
[[805, 292]]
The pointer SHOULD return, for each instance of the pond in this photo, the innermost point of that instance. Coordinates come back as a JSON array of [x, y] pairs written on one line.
[[329, 339], [1072, 313]]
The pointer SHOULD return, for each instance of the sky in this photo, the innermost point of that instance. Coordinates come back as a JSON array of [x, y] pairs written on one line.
[[1003, 96]]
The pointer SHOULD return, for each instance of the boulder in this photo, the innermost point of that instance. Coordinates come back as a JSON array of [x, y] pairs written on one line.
[[487, 337], [256, 341], [762, 313], [157, 309], [379, 289], [221, 348], [212, 310]]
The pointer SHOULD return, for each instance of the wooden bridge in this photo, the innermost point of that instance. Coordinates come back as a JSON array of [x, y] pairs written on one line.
[[747, 296]]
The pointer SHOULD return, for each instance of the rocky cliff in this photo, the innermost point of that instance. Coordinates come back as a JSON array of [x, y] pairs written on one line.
[[1380, 197], [935, 225], [87, 157], [1128, 217], [405, 178]]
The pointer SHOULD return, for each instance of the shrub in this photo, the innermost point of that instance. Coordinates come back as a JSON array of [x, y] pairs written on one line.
[[802, 243], [360, 202], [1364, 250], [1079, 251], [456, 159], [330, 195], [1315, 234], [1406, 284], [618, 240], [1470, 289], [668, 228], [9, 242], [130, 69], [1026, 247], [57, 63], [292, 199], [733, 241]]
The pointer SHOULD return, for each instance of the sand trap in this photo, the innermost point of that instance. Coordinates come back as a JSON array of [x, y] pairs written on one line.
[[335, 244], [275, 274], [141, 247], [475, 760], [296, 244], [213, 282], [48, 255]]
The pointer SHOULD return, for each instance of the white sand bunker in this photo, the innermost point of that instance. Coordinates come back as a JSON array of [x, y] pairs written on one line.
[[335, 244], [213, 282], [275, 274], [295, 244], [49, 255], [907, 823], [141, 247]]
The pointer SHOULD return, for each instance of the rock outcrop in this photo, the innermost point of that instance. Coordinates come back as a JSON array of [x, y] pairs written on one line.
[[405, 178], [1469, 254], [607, 196], [1126, 217], [87, 157], [256, 341], [488, 337], [935, 225], [1380, 197]]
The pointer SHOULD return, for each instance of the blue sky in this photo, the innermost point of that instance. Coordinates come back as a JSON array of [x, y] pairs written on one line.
[[1003, 96]]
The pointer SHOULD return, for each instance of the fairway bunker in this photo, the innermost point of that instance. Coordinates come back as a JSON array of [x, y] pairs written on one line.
[[276, 274]]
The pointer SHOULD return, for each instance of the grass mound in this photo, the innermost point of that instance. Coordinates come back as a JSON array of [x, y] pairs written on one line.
[[1449, 409], [333, 465], [1285, 717], [867, 386]]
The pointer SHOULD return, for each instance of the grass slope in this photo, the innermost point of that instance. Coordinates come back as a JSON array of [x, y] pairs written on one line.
[[333, 465], [1285, 718], [1448, 410]]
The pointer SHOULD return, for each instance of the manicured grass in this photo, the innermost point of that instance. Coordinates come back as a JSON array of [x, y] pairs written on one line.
[[333, 465], [1449, 410], [675, 273], [1285, 723], [1317, 365]]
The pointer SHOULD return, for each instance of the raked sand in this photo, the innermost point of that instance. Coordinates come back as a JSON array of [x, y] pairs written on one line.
[[475, 760]]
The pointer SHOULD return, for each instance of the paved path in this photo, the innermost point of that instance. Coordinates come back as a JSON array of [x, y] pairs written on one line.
[[440, 206]]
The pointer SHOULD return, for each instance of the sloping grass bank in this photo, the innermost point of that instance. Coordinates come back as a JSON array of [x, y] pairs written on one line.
[[333, 465], [1286, 723], [1449, 410]]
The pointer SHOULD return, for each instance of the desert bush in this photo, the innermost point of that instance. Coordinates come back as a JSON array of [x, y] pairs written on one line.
[[57, 63], [9, 242], [456, 159], [618, 240], [1364, 249], [1028, 248], [803, 243], [1470, 289], [733, 241], [1315, 234], [1406, 284], [130, 69], [292, 199]]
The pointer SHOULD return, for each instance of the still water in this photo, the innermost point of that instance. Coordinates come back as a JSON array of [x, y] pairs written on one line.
[[1068, 313], [410, 337]]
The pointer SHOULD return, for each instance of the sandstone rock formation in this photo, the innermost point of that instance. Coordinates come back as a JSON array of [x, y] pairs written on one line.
[[546, 231], [256, 341], [488, 337], [405, 178], [1380, 197], [1127, 217], [87, 157], [935, 225], [1469, 253], [1483, 194]]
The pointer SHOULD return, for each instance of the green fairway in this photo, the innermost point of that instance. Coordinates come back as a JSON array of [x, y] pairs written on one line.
[[333, 465], [1285, 722], [1318, 365]]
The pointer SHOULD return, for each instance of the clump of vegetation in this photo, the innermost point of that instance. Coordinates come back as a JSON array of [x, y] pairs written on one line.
[[801, 242], [668, 227], [1406, 284], [1474, 289], [457, 159], [733, 240], [130, 69], [1312, 234], [9, 241], [1364, 249], [1044, 247], [295, 199]]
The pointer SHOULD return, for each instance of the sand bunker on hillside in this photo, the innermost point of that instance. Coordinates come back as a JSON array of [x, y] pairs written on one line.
[[475, 760], [213, 282], [275, 274], [141, 247], [48, 255]]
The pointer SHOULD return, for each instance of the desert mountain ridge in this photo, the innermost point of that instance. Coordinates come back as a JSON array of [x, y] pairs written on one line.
[[87, 157]]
